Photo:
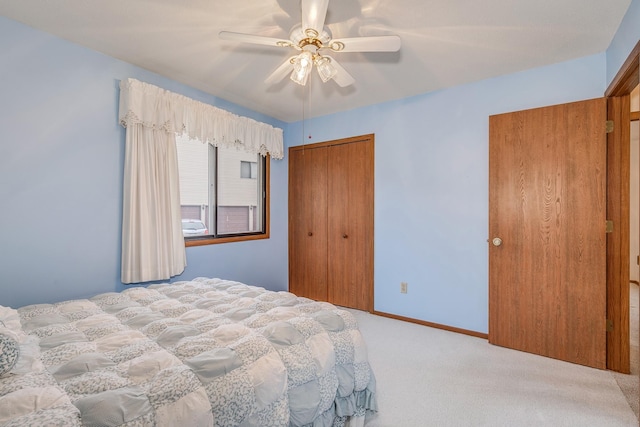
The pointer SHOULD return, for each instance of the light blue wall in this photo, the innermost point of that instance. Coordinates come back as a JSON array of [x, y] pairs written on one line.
[[431, 184], [61, 160], [61, 163], [624, 41]]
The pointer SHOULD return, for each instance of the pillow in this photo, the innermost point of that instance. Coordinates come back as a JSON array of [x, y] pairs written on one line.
[[29, 358], [10, 319], [19, 353], [9, 352]]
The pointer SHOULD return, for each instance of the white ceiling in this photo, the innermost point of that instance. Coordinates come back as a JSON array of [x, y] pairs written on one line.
[[444, 43]]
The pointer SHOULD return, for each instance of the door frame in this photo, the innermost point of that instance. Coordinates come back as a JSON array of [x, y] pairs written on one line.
[[618, 170]]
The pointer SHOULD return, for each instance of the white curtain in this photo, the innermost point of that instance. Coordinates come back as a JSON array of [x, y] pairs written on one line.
[[152, 242], [156, 108]]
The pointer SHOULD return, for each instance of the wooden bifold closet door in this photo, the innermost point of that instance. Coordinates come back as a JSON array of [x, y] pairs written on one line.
[[331, 187]]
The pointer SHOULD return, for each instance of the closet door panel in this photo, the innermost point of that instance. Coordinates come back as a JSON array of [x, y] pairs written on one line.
[[350, 226], [308, 223]]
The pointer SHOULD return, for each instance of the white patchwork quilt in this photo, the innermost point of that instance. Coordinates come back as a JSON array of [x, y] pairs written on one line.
[[200, 353]]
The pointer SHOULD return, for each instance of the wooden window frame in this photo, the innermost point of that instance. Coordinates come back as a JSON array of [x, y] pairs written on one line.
[[209, 240]]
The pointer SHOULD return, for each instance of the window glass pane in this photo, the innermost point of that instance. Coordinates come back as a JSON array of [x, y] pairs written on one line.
[[193, 164], [239, 201], [248, 169], [216, 200], [245, 169]]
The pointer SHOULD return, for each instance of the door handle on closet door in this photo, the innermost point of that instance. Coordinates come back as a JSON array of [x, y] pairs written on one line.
[[345, 236], [310, 233]]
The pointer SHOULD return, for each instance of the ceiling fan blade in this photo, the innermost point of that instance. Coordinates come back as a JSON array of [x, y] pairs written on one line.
[[251, 38], [366, 44], [342, 77], [280, 72], [314, 13]]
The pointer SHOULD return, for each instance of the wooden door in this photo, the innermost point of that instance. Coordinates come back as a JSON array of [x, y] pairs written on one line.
[[547, 204], [308, 222], [350, 224], [331, 186]]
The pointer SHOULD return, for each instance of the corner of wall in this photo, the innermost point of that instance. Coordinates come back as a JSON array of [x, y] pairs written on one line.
[[625, 39]]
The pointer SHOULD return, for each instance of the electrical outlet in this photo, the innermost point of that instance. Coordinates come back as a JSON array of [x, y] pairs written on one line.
[[403, 287]]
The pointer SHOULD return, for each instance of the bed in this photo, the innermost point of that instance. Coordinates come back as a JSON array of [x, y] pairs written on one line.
[[206, 352]]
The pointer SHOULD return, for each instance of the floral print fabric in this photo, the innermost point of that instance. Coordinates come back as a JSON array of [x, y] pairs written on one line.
[[8, 352], [206, 352]]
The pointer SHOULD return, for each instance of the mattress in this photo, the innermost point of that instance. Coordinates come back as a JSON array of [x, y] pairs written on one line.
[[207, 352]]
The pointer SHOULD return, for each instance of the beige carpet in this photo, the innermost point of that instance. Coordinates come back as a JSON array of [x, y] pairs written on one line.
[[629, 384], [430, 377]]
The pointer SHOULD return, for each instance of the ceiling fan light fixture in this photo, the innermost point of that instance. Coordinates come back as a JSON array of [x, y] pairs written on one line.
[[326, 70], [313, 41], [302, 65], [336, 46], [297, 35]]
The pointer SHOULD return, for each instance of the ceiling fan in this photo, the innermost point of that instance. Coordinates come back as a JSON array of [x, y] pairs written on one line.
[[313, 40]]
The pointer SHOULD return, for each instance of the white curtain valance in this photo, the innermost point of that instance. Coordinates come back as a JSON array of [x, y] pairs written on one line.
[[157, 108]]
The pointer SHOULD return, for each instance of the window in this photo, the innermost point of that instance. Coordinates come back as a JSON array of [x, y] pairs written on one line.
[[248, 169], [224, 205]]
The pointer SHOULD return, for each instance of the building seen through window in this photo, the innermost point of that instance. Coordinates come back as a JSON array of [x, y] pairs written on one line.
[[248, 169], [222, 190]]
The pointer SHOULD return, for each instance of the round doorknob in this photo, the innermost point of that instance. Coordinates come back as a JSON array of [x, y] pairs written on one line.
[[496, 241], [310, 233], [345, 236]]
